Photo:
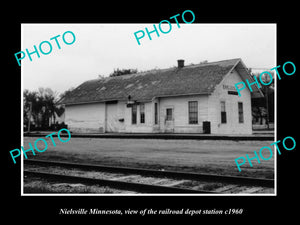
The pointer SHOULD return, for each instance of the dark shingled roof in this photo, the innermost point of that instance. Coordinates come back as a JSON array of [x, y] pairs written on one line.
[[144, 86]]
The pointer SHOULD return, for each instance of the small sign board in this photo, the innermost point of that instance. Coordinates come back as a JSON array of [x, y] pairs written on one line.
[[232, 93], [229, 87]]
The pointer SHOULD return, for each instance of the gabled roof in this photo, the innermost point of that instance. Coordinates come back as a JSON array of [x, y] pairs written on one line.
[[144, 86]]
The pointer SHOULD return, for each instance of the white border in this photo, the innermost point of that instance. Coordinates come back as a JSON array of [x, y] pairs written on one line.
[[21, 114]]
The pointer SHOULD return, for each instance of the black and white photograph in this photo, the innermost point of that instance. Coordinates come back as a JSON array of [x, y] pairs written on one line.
[[138, 112], [108, 116]]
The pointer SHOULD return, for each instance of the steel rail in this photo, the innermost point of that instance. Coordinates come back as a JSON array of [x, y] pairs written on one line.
[[139, 187], [248, 181]]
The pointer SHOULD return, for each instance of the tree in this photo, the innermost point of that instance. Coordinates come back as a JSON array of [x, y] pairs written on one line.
[[265, 78], [31, 98], [203, 62], [264, 107], [43, 104], [66, 93], [101, 77], [118, 72]]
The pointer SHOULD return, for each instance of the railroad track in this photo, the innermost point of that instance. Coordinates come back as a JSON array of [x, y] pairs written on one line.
[[143, 180]]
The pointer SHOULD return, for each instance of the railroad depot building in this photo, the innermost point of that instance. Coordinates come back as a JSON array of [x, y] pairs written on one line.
[[184, 99]]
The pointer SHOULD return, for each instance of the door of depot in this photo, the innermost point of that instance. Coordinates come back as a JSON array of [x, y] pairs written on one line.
[[112, 120], [169, 120]]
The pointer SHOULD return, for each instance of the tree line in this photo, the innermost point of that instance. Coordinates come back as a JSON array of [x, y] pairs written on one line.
[[40, 107]]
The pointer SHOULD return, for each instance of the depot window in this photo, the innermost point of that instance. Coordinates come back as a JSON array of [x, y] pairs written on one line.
[[169, 114], [223, 112], [193, 112], [241, 112], [142, 113], [133, 114], [155, 113]]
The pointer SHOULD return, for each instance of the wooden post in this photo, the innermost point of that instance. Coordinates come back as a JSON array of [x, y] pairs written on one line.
[[267, 100], [267, 103]]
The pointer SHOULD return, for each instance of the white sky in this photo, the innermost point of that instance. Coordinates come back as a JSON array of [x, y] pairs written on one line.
[[101, 48]]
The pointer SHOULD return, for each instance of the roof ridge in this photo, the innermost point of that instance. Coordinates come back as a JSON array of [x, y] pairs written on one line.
[[200, 78], [161, 70], [214, 62]]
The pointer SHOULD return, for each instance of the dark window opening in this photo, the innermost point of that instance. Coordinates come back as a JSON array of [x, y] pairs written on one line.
[[193, 112], [223, 113], [169, 113], [133, 114], [241, 112], [142, 113], [155, 113]]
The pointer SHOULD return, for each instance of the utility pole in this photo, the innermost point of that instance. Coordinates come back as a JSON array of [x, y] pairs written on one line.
[[267, 103], [30, 110], [267, 100]]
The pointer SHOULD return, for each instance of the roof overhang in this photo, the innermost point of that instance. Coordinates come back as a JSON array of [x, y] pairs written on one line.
[[241, 68]]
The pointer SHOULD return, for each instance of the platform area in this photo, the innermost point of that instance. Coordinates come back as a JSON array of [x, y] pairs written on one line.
[[257, 135], [202, 156]]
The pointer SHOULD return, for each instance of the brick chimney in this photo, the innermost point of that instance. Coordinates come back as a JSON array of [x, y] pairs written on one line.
[[180, 63]]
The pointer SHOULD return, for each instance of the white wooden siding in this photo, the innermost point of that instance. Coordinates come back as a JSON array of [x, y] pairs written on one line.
[[232, 126], [94, 117], [181, 114], [85, 117], [139, 127]]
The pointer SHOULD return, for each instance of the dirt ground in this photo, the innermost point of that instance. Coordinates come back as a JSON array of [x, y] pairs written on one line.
[[203, 156]]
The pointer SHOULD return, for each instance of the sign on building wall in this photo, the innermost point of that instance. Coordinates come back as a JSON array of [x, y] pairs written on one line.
[[231, 89]]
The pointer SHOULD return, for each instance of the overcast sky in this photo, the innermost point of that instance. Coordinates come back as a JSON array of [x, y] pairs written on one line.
[[101, 48]]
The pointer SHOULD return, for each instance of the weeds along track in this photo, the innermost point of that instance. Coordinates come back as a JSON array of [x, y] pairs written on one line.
[[145, 180]]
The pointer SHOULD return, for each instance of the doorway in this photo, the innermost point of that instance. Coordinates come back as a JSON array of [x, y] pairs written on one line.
[[169, 120], [112, 122]]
